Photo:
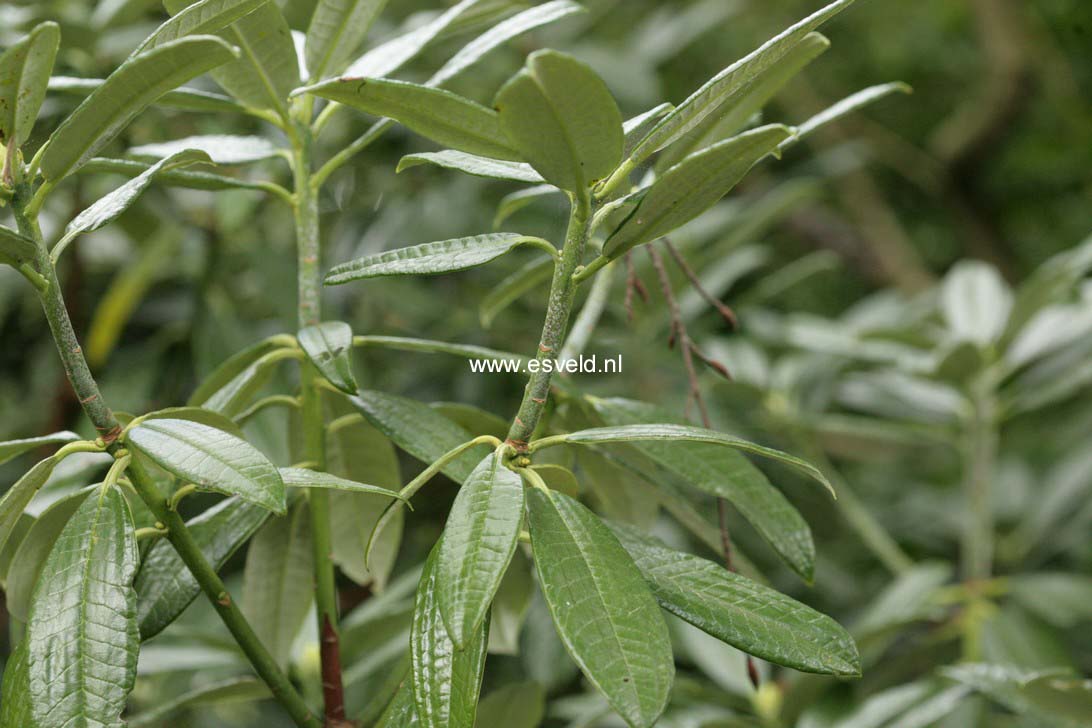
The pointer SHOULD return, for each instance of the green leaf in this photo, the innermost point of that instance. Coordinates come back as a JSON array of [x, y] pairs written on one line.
[[510, 605], [233, 367], [741, 612], [278, 566], [165, 587], [445, 256], [693, 186], [479, 539], [184, 98], [473, 164], [16, 249], [337, 29], [446, 680], [129, 90], [975, 302], [519, 705], [1060, 598], [402, 711], [232, 690], [562, 118], [200, 18], [219, 148], [174, 178], [848, 105], [82, 634], [639, 126], [267, 69], [197, 414], [109, 207], [210, 459], [443, 117], [18, 497], [1055, 697], [14, 448], [726, 473], [501, 33], [516, 201], [721, 92], [303, 478], [15, 708], [603, 610], [24, 75], [329, 345]]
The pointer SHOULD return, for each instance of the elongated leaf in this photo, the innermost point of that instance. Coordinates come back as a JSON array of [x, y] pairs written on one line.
[[173, 178], [519, 705], [473, 164], [267, 70], [14, 448], [402, 711], [303, 478], [513, 203], [232, 690], [16, 249], [278, 565], [18, 496], [184, 98], [336, 31], [719, 93], [329, 346], [233, 367], [693, 186], [848, 105], [724, 472], [501, 33], [201, 18], [445, 256], [109, 207], [220, 148], [82, 635], [211, 459], [510, 605], [741, 612], [478, 542], [24, 75], [561, 117], [638, 127], [443, 117], [419, 430], [1053, 697], [603, 610], [198, 414], [15, 710], [428, 346], [128, 91], [446, 680], [165, 587]]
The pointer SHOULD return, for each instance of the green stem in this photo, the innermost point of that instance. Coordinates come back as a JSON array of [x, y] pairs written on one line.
[[104, 421], [314, 426], [558, 311], [981, 452]]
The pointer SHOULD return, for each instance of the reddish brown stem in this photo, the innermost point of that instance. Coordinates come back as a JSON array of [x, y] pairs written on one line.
[[333, 691]]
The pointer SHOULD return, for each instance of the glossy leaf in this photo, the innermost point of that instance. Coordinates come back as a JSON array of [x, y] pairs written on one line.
[[402, 711], [198, 414], [563, 120], [445, 256], [693, 186], [727, 473], [165, 587], [267, 70], [24, 74], [337, 29], [329, 346], [519, 705], [13, 448], [200, 18], [16, 249], [603, 611], [82, 634], [129, 90], [233, 367], [210, 459], [741, 612], [18, 496], [473, 164], [719, 93], [445, 680], [443, 117], [479, 539], [278, 568], [303, 478], [220, 148]]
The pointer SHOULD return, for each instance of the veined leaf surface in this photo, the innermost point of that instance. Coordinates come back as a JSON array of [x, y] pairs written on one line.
[[329, 346]]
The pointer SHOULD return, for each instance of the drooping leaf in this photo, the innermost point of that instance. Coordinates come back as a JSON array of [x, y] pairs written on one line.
[[337, 29], [201, 18], [24, 74], [603, 611], [129, 90], [478, 542], [165, 587], [82, 633], [278, 567], [220, 148], [519, 705], [693, 186], [445, 256], [443, 117], [14, 448], [210, 459], [18, 496], [473, 164], [267, 70], [719, 93], [303, 478], [741, 612], [445, 679], [183, 98], [15, 710], [329, 346], [16, 249], [563, 120]]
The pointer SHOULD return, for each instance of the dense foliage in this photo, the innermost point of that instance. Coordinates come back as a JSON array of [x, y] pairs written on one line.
[[263, 507]]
